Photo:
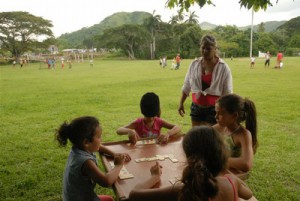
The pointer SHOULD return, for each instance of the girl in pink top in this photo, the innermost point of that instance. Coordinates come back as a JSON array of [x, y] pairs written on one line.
[[150, 125]]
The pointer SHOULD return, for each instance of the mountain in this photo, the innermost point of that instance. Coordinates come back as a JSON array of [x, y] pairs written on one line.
[[269, 26], [207, 26], [76, 38], [292, 26]]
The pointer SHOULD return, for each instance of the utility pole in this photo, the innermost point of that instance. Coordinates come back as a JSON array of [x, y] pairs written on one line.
[[251, 36]]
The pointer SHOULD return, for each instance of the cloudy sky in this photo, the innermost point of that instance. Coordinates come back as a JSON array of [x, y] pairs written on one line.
[[70, 15]]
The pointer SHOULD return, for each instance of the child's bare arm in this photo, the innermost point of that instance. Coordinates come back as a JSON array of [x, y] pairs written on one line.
[[243, 190], [105, 150], [173, 130], [90, 169], [129, 130], [124, 130], [155, 177]]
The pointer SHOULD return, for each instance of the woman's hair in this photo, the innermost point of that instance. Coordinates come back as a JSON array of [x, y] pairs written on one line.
[[79, 129], [245, 108], [206, 158], [208, 40], [150, 106]]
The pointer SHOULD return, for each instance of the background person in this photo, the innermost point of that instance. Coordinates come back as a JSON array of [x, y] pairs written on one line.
[[151, 124], [281, 65], [204, 176], [279, 59], [267, 56], [81, 172], [177, 61], [208, 78], [252, 62], [231, 111]]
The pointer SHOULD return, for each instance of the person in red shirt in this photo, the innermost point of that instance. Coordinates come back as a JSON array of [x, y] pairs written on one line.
[[279, 59], [208, 78], [177, 61]]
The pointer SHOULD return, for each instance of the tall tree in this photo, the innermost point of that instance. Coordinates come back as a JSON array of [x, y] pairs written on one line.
[[180, 16], [19, 31], [152, 24], [192, 18], [261, 27], [173, 20]]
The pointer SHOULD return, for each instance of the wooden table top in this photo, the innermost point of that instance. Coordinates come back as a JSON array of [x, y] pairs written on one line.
[[141, 170]]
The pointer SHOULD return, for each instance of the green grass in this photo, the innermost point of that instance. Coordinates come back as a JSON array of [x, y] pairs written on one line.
[[34, 102]]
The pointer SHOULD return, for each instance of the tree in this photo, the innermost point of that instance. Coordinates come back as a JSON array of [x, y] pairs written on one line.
[[88, 43], [180, 16], [261, 27], [295, 41], [173, 19], [186, 4], [131, 39], [264, 43], [152, 24], [191, 37], [19, 31], [192, 18]]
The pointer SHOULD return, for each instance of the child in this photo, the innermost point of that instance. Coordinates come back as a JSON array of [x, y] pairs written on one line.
[[150, 125], [231, 111], [164, 61], [203, 177], [281, 65], [81, 172], [252, 62], [173, 64]]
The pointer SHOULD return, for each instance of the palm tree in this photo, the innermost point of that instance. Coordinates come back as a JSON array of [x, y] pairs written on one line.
[[173, 20], [180, 16], [192, 18], [152, 24]]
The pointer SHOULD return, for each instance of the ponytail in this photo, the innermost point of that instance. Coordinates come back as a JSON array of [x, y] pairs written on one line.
[[251, 121], [246, 112], [199, 182], [77, 131], [63, 133]]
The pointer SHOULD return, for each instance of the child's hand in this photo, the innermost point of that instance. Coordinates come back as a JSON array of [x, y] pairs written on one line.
[[119, 159], [163, 139], [127, 157], [156, 169], [133, 136]]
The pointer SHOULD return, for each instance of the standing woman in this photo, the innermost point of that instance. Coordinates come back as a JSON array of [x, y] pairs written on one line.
[[208, 78]]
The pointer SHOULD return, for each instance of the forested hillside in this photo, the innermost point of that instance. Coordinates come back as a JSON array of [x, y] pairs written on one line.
[[145, 36], [75, 39]]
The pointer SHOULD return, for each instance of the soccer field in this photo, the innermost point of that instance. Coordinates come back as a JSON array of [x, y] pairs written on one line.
[[35, 101]]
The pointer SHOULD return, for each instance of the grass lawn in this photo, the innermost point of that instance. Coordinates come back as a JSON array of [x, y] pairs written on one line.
[[34, 102]]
